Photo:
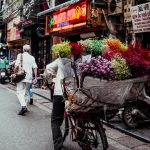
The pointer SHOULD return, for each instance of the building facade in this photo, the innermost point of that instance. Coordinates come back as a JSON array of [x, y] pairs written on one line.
[[23, 25], [3, 41]]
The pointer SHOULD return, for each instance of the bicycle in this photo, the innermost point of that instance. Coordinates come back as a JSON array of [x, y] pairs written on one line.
[[84, 128]]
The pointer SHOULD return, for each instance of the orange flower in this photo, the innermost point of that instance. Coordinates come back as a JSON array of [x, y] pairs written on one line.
[[113, 44]]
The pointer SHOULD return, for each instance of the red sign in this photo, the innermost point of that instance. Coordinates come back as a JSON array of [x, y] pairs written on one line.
[[68, 18]]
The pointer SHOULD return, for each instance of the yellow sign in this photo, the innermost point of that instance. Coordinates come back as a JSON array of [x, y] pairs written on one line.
[[12, 34]]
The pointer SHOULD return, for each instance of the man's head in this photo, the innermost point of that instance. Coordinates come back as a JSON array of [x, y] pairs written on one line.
[[26, 48]]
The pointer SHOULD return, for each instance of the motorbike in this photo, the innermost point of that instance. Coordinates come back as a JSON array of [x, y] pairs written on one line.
[[2, 75], [3, 69], [138, 111], [133, 112]]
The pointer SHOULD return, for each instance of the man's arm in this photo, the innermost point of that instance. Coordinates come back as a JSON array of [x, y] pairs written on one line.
[[35, 73], [51, 68], [34, 66]]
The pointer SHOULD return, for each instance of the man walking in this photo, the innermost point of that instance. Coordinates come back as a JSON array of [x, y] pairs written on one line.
[[61, 67], [23, 87]]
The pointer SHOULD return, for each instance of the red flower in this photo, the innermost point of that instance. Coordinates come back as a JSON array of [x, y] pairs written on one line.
[[138, 61], [76, 49], [109, 54]]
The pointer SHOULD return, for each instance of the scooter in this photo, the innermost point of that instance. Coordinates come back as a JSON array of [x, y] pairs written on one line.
[[2, 75], [3, 68], [138, 111]]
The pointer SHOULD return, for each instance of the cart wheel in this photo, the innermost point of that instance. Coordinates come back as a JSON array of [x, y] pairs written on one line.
[[128, 118]]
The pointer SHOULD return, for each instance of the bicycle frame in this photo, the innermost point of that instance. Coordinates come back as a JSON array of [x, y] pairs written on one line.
[[83, 128], [72, 125]]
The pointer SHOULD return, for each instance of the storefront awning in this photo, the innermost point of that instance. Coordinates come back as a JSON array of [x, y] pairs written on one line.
[[57, 7], [19, 42]]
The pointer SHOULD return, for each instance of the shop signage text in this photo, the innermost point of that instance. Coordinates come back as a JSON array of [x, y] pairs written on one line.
[[141, 18], [68, 18]]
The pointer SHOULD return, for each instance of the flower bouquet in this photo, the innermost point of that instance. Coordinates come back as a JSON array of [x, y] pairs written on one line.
[[92, 46], [114, 72], [110, 76], [62, 49]]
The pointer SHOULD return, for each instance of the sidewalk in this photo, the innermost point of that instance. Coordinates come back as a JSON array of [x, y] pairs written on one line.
[[116, 139]]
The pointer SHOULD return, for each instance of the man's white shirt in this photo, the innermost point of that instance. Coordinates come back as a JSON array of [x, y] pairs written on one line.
[[28, 65], [63, 68]]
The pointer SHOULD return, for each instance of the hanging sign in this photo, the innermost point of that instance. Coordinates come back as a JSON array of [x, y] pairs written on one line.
[[81, 15], [141, 17], [68, 18], [12, 31]]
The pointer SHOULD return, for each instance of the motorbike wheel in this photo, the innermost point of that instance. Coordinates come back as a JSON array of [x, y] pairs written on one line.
[[2, 80], [128, 118]]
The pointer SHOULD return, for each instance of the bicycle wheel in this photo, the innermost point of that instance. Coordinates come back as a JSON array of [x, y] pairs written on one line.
[[91, 136]]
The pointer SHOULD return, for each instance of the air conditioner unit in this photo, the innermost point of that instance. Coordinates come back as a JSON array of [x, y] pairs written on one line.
[[115, 7]]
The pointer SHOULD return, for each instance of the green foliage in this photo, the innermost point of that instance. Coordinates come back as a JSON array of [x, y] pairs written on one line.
[[92, 46], [97, 47], [120, 68], [62, 49]]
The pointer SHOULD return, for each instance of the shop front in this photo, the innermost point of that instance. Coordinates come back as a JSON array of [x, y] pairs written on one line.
[[14, 39], [76, 21], [30, 27]]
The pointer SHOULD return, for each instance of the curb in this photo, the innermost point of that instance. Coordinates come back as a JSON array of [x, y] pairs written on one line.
[[36, 94], [42, 96], [130, 133]]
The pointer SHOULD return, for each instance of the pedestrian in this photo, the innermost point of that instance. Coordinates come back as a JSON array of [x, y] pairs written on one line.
[[29, 64], [59, 68]]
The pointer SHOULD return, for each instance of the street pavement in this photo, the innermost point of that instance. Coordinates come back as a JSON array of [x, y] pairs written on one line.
[[30, 132], [34, 128]]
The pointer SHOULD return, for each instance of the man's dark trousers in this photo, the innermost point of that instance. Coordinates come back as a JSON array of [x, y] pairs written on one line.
[[57, 120]]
